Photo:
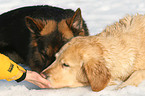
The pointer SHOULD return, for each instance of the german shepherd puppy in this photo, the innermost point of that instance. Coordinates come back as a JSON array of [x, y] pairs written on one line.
[[36, 33]]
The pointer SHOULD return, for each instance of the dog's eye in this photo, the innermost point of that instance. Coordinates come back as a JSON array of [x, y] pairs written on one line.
[[65, 65]]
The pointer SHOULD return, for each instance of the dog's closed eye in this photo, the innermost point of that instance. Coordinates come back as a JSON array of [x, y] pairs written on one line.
[[65, 65]]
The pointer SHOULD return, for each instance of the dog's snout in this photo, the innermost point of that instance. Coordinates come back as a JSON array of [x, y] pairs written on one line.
[[44, 75]]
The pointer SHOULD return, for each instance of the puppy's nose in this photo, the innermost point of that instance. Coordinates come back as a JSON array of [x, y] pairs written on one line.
[[44, 75]]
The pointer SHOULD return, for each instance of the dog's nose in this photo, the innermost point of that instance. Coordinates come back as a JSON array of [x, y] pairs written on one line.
[[44, 75]]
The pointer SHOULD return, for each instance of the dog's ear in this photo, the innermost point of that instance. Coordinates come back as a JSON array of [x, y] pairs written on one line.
[[34, 25], [98, 75], [76, 21]]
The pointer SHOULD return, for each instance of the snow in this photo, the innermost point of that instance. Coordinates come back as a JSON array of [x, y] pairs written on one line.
[[97, 14]]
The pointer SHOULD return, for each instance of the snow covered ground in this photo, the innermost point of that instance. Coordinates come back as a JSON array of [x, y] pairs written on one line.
[[97, 14]]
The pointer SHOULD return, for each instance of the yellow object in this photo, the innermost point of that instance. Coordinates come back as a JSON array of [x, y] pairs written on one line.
[[9, 70]]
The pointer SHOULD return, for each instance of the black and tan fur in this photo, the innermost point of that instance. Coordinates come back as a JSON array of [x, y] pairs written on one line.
[[36, 33]]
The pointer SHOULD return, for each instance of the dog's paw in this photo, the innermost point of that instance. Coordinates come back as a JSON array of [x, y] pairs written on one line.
[[121, 86], [113, 83], [124, 84]]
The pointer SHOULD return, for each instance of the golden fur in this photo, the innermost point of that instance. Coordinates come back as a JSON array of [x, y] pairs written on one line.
[[118, 53]]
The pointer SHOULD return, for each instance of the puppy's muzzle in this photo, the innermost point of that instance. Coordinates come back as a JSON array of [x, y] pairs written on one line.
[[44, 75]]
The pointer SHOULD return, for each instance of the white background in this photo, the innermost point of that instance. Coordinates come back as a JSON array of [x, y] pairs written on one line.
[[97, 14]]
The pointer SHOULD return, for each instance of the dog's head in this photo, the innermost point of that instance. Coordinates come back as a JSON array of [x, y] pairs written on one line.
[[48, 36], [78, 63]]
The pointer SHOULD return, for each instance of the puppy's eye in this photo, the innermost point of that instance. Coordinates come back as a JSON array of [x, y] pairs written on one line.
[[65, 65]]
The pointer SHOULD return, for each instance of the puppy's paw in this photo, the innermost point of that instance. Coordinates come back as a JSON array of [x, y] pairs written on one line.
[[124, 84], [121, 86]]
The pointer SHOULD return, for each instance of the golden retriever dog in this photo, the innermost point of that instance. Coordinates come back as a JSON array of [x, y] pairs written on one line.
[[116, 54]]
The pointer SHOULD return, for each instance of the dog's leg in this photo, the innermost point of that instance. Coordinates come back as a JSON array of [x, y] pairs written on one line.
[[135, 79]]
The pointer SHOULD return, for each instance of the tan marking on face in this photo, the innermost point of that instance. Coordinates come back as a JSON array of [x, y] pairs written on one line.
[[34, 43], [49, 50], [65, 30], [49, 27]]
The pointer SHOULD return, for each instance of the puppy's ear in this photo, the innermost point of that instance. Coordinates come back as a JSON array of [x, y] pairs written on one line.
[[97, 74], [34, 25]]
